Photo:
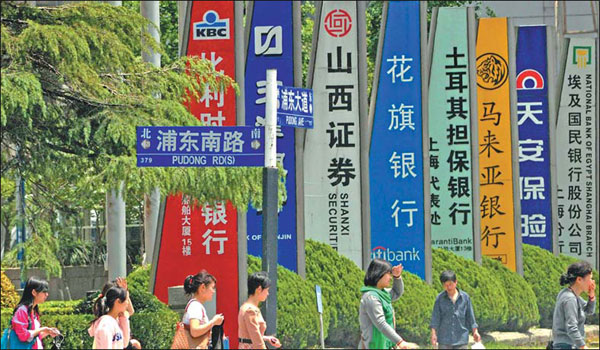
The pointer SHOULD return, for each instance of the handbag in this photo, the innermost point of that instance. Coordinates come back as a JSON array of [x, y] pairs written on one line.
[[216, 339], [10, 340], [183, 337]]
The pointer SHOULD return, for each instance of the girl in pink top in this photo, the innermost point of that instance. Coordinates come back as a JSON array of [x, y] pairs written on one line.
[[105, 328], [26, 317]]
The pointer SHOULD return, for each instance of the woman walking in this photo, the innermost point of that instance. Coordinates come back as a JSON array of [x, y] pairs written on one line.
[[123, 318], [251, 325], [376, 314], [26, 316], [105, 328], [570, 310]]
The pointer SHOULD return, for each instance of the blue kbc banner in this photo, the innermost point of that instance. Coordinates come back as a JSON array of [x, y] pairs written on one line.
[[396, 154], [534, 137], [270, 46]]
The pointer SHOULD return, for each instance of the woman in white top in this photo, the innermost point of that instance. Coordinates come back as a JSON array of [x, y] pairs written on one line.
[[202, 288]]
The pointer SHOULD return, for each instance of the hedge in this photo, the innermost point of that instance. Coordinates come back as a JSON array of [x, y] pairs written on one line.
[[522, 307], [9, 296], [297, 317], [487, 293]]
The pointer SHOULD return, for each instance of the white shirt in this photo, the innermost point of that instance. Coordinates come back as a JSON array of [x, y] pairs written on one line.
[[195, 310]]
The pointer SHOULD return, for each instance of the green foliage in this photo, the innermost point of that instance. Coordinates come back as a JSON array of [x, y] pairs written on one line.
[[486, 290], [10, 297], [308, 20], [154, 329], [522, 307], [340, 280], [56, 307], [73, 327], [542, 270], [297, 317]]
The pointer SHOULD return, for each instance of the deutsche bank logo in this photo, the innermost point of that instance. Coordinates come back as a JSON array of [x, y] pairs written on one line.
[[268, 40], [211, 27]]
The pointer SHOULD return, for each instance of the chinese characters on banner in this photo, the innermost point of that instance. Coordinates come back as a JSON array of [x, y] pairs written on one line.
[[213, 240], [396, 154], [450, 138], [332, 149], [271, 46], [534, 137], [577, 154], [496, 202]]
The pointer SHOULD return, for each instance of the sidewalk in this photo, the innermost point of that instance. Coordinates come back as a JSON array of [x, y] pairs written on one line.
[[533, 336]]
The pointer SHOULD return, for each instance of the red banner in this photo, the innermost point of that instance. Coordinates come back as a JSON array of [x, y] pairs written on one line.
[[196, 238]]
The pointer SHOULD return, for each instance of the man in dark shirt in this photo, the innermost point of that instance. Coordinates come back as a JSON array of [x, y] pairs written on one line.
[[452, 316]]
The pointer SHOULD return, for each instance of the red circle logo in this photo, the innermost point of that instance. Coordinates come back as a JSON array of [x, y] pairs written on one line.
[[338, 23]]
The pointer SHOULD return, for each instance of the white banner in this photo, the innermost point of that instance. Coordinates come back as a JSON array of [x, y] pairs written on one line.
[[577, 153], [332, 149]]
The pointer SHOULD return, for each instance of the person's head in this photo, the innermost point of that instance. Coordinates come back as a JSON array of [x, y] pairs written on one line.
[[258, 285], [379, 274], [201, 286], [115, 300], [579, 274], [34, 293], [448, 279]]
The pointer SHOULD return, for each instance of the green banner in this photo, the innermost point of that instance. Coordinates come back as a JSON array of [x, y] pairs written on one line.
[[450, 136]]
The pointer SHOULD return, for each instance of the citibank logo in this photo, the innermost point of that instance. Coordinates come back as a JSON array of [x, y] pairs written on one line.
[[530, 79], [395, 255], [211, 27]]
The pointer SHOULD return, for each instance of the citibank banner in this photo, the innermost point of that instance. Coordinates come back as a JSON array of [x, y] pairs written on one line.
[[534, 136], [396, 154], [450, 136], [332, 179], [577, 154], [270, 45]]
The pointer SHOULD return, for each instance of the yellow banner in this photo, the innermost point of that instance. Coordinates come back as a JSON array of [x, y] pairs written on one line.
[[495, 151]]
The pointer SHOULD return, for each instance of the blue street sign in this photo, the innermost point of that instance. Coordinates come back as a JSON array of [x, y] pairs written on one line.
[[200, 146], [295, 107], [319, 299], [270, 45]]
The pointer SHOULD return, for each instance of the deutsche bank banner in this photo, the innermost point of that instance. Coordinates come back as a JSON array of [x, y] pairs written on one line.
[[450, 136], [270, 45], [199, 146], [396, 153], [534, 136], [577, 153], [295, 107]]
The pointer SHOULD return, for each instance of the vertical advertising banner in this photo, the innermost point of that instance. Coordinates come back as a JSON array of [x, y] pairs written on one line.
[[496, 202], [576, 144], [450, 136], [396, 153], [270, 45], [332, 149], [197, 237], [534, 136]]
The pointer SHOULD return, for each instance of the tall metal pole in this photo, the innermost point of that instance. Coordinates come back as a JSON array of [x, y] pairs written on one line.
[[270, 200], [21, 228], [151, 11]]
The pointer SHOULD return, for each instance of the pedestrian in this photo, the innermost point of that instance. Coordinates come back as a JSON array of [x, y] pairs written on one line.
[[26, 316], [570, 311], [251, 325], [105, 328], [201, 287], [452, 316], [123, 318], [376, 314]]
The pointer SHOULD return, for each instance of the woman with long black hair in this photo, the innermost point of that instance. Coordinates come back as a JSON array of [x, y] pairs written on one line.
[[26, 317]]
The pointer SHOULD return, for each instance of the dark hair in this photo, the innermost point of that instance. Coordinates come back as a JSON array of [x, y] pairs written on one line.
[[258, 279], [577, 269], [447, 275], [377, 269], [193, 282], [107, 286], [33, 283], [105, 303]]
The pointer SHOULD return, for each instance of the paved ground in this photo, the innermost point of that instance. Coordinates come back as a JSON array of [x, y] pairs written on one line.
[[534, 336]]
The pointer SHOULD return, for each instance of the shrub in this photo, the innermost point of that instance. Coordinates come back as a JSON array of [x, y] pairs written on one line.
[[522, 307], [73, 327], [340, 280], [485, 289], [297, 316], [154, 329], [10, 297], [413, 309]]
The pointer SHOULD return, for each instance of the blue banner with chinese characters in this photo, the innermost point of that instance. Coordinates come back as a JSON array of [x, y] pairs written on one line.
[[396, 154], [295, 107], [200, 146], [270, 46], [534, 137]]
